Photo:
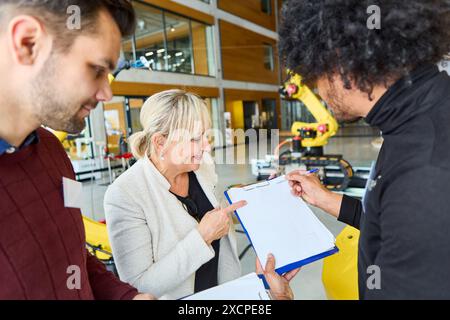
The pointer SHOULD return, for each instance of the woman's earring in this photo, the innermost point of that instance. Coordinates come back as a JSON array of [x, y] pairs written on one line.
[[162, 157]]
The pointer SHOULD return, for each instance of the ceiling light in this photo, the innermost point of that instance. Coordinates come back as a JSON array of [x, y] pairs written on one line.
[[141, 24]]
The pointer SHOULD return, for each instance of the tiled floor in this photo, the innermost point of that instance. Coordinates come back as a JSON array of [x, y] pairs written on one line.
[[307, 284]]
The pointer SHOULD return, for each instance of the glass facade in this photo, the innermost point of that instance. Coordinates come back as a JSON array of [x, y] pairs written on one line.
[[149, 39], [171, 42], [213, 108], [269, 114], [269, 62], [135, 114], [266, 6], [115, 124], [179, 56]]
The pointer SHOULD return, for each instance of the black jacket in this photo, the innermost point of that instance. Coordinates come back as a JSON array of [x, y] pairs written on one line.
[[405, 218]]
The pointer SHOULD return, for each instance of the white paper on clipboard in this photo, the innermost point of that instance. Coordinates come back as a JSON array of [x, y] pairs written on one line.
[[277, 222], [249, 287]]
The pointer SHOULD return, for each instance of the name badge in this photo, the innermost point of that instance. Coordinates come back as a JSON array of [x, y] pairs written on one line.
[[73, 193]]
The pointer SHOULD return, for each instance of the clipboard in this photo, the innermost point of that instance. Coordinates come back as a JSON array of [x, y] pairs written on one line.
[[276, 222], [248, 287]]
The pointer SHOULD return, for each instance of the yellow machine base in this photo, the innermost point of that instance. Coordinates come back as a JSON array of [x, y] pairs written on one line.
[[340, 272]]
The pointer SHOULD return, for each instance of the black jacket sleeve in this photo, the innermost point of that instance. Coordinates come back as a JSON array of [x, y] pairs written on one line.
[[350, 212]]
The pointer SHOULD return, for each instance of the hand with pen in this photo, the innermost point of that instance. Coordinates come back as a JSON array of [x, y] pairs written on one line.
[[306, 184]]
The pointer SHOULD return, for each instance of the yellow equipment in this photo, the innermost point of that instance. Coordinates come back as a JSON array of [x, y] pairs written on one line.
[[60, 135], [340, 272], [313, 134], [97, 242], [310, 138], [97, 239]]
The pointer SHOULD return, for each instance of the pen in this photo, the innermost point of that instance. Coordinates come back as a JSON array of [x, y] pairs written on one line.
[[309, 172]]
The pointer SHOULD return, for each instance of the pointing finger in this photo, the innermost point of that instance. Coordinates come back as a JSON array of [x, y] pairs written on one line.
[[235, 206]]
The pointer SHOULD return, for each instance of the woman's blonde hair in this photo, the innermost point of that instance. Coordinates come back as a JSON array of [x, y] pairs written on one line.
[[175, 114]]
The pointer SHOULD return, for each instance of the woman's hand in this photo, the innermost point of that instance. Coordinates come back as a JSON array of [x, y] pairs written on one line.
[[279, 285], [216, 223], [309, 188]]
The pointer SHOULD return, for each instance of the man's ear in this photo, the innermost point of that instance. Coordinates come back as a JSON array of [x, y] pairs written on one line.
[[26, 39]]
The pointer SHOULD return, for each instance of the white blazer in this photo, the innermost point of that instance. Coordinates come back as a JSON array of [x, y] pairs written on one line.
[[156, 245]]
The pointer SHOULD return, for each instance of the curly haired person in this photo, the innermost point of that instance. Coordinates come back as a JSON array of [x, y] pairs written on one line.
[[388, 76]]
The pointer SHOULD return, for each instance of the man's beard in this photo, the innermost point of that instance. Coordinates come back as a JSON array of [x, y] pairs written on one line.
[[53, 108], [341, 111], [342, 116]]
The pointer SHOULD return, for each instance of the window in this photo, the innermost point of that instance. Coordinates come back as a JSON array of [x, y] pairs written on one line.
[[268, 57], [179, 57], [127, 49], [135, 114], [171, 42], [149, 36], [115, 123], [216, 135], [202, 40], [269, 114], [266, 6]]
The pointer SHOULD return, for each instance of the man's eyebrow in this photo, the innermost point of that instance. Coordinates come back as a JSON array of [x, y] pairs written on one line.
[[111, 65]]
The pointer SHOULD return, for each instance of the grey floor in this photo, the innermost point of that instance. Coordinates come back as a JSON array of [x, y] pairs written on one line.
[[307, 285]]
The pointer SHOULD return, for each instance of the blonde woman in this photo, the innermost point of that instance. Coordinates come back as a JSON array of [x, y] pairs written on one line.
[[167, 236]]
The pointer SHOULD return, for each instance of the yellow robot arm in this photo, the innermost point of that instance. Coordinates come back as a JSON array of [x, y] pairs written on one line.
[[60, 135], [326, 125], [111, 78]]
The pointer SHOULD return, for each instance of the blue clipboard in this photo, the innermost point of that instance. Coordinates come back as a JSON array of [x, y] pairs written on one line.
[[282, 270]]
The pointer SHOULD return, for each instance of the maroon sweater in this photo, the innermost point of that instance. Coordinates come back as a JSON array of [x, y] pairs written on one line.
[[39, 237]]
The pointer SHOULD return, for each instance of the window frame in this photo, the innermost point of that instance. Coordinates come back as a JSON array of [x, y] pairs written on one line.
[[210, 46]]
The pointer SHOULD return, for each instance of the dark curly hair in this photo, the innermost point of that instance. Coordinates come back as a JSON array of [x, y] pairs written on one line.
[[330, 37]]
